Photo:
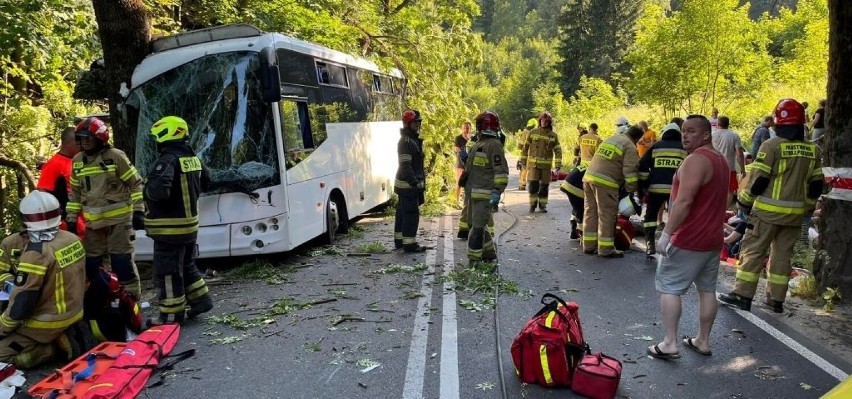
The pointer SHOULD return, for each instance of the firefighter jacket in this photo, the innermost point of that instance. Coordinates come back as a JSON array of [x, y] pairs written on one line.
[[615, 164], [50, 282], [172, 189], [10, 252], [106, 187], [658, 166], [791, 167], [542, 149], [588, 144], [574, 181], [410, 171], [523, 136], [487, 169]]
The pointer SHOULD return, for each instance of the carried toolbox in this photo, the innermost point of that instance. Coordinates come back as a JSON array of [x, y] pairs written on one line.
[[597, 376], [74, 379]]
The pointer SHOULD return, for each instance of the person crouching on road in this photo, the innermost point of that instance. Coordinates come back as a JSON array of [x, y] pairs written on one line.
[[784, 183], [691, 241], [50, 281], [656, 172], [486, 177], [106, 187], [172, 189], [614, 166], [410, 184], [540, 153]]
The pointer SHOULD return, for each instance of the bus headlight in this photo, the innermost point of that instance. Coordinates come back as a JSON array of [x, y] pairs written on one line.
[[246, 230], [261, 227]]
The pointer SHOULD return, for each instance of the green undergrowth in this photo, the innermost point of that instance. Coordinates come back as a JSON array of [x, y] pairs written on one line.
[[396, 268], [282, 307], [259, 269], [371, 248]]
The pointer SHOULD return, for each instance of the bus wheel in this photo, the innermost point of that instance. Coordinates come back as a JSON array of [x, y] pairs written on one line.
[[332, 220]]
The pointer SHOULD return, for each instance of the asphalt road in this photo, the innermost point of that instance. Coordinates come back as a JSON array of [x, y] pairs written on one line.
[[326, 325]]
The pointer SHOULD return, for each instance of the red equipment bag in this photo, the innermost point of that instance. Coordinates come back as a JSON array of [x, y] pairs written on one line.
[[550, 345], [130, 372], [597, 376], [624, 233]]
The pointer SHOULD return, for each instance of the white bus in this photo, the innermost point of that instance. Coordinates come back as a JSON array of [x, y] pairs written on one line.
[[299, 139]]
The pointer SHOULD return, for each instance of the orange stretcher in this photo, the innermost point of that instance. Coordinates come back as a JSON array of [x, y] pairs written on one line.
[[74, 379]]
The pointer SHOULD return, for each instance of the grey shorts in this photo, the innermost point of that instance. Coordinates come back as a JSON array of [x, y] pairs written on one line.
[[683, 267]]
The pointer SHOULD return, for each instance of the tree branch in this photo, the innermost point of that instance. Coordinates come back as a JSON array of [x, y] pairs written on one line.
[[20, 167]]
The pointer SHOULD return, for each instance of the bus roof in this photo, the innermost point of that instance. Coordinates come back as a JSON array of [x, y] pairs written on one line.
[[175, 54]]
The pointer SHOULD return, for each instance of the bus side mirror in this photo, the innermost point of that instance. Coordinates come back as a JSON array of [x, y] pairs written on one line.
[[270, 79]]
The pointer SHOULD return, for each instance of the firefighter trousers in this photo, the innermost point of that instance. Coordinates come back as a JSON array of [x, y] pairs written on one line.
[[464, 217], [652, 211], [577, 209], [407, 219], [522, 179], [538, 185], [601, 208], [760, 240], [27, 351], [480, 242], [115, 241], [177, 279]]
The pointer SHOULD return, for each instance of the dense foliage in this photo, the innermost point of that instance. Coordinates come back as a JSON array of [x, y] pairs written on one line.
[[648, 59]]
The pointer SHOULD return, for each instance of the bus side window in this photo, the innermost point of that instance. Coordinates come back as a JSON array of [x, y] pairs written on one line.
[[296, 131]]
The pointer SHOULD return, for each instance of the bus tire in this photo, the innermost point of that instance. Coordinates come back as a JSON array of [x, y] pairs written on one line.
[[332, 220]]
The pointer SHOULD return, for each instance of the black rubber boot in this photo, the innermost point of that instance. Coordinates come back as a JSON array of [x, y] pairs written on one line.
[[776, 306], [397, 244], [650, 245], [415, 248], [463, 234], [736, 301], [203, 305], [575, 234]]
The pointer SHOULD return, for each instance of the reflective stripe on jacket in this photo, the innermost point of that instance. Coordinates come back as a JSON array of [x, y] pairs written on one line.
[[615, 164], [487, 169], [542, 149], [106, 187], [172, 189], [658, 166]]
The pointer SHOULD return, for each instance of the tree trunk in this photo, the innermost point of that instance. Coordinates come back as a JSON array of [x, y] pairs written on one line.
[[834, 266], [125, 32], [22, 170]]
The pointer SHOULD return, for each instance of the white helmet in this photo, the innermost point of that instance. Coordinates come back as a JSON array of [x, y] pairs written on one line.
[[625, 207], [40, 211], [621, 129], [621, 120]]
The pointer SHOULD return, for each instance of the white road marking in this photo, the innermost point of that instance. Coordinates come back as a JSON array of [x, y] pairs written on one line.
[[449, 331], [792, 344], [415, 371]]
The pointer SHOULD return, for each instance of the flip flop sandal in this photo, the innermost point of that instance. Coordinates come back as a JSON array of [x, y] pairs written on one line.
[[659, 354], [690, 345]]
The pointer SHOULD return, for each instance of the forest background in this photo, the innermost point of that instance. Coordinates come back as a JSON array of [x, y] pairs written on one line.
[[583, 60]]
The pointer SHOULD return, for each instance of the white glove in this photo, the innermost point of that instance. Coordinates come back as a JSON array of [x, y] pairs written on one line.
[[663, 244]]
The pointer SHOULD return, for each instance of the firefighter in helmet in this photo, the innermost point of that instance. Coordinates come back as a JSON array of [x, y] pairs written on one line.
[[784, 183], [540, 153], [47, 300], [613, 167], [410, 184], [487, 174], [656, 173], [587, 145], [172, 189], [106, 187], [523, 136]]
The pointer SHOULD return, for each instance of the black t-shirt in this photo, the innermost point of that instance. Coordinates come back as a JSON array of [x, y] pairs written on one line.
[[461, 143], [820, 124]]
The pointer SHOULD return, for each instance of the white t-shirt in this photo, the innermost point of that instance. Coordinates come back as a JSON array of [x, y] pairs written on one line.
[[727, 143], [714, 124]]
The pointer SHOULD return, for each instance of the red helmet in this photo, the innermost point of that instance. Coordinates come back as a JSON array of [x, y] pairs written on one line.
[[93, 127], [789, 112], [545, 116], [410, 115], [488, 123]]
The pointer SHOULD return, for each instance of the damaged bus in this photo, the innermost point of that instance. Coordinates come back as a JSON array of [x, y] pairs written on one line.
[[299, 139]]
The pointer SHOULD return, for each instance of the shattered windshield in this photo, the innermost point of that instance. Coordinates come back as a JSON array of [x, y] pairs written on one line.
[[231, 127]]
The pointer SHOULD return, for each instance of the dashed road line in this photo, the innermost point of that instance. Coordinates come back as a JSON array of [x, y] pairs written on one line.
[[415, 371], [449, 323]]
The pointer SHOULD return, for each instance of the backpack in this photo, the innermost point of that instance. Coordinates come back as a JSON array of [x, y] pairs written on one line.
[[551, 344], [110, 310]]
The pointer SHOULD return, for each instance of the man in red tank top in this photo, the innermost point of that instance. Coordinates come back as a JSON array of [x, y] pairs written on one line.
[[690, 243], [56, 174]]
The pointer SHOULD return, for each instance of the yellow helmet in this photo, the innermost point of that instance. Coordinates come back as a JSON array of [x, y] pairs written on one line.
[[170, 128], [533, 122]]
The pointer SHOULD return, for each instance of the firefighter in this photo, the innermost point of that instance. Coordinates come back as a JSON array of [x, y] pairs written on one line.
[[573, 188], [106, 187], [487, 174], [784, 183], [621, 124], [410, 183], [49, 279], [10, 252], [172, 189], [523, 136], [614, 166], [539, 154], [656, 173], [588, 145]]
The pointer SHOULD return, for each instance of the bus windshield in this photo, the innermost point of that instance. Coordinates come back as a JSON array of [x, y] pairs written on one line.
[[231, 127]]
